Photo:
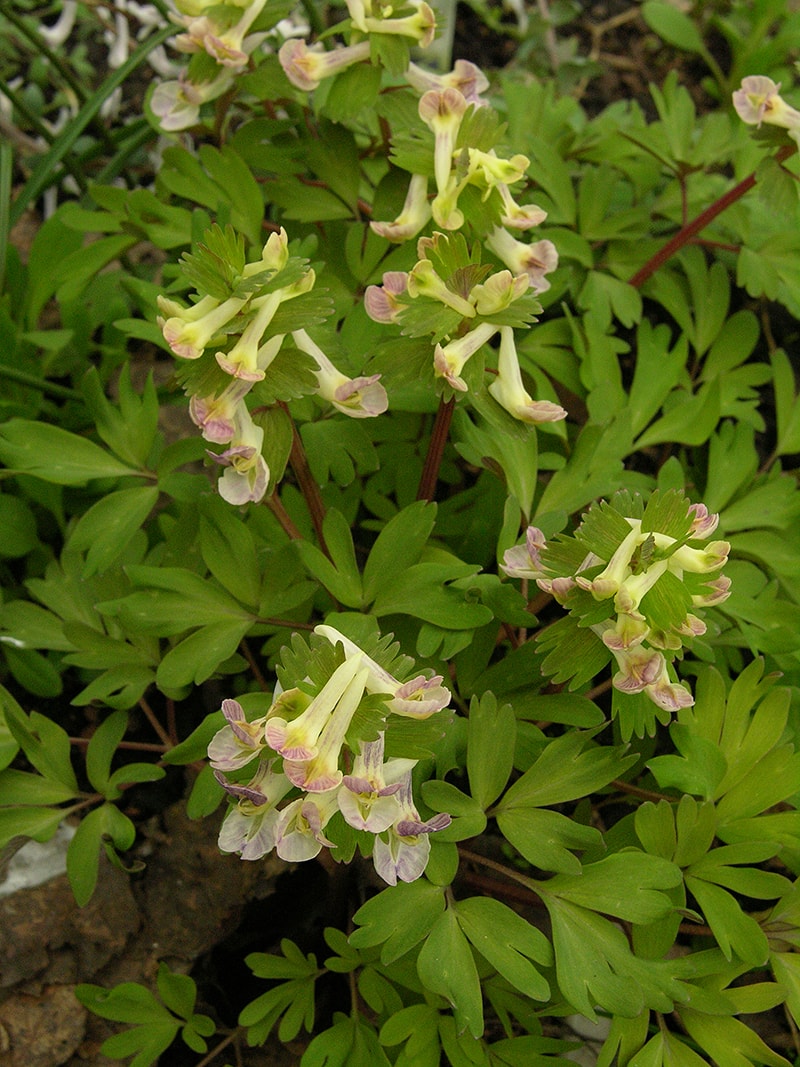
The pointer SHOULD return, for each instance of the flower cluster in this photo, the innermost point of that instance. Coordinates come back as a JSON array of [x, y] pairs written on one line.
[[219, 35], [650, 584], [232, 335], [307, 773], [413, 22], [758, 101], [472, 308]]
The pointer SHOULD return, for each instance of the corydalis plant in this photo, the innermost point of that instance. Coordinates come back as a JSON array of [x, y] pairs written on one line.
[[230, 337], [322, 777], [631, 578]]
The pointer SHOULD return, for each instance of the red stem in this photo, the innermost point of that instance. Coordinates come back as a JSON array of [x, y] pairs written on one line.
[[433, 460], [691, 229]]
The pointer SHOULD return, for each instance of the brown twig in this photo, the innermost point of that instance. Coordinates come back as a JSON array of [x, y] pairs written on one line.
[[308, 486], [275, 505], [151, 717]]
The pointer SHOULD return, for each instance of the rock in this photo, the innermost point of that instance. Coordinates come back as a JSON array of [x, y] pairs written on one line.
[[42, 1030]]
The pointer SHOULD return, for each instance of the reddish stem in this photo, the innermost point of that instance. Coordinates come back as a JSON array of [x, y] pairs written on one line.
[[691, 229], [433, 460]]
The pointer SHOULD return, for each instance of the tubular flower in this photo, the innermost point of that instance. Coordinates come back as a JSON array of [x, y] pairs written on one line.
[[321, 772], [306, 67], [442, 112], [498, 292], [416, 212], [229, 46], [297, 738], [510, 393], [381, 301], [238, 742], [518, 216], [215, 414], [360, 398], [403, 852], [299, 829], [525, 561], [176, 104], [424, 281], [758, 101], [189, 332], [367, 799], [421, 26], [535, 260], [450, 360], [468, 79], [419, 698], [250, 828], [246, 476]]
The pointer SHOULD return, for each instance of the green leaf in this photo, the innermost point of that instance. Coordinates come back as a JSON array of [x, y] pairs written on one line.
[[545, 838], [508, 942], [339, 574], [398, 546], [178, 991], [729, 1041], [673, 26], [37, 823], [18, 534], [698, 769], [83, 854], [108, 526], [44, 743], [491, 739], [55, 455], [419, 592], [565, 770], [229, 551], [197, 657], [398, 918], [625, 884], [446, 966], [101, 749]]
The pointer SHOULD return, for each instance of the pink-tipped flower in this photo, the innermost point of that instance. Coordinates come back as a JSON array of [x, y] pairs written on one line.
[[215, 415], [508, 390], [297, 738], [189, 334], [306, 67], [381, 301], [360, 398], [535, 260], [299, 832], [321, 772], [250, 828], [238, 742], [498, 292], [420, 27], [627, 632], [246, 475], [704, 522], [638, 668], [402, 853], [417, 699], [416, 212], [442, 111], [525, 561], [519, 216], [274, 255], [490, 170], [367, 798], [450, 360], [468, 79], [758, 101], [700, 560], [176, 104], [718, 590]]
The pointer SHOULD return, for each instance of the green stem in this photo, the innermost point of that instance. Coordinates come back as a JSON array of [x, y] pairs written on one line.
[[691, 229], [433, 460], [31, 380]]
